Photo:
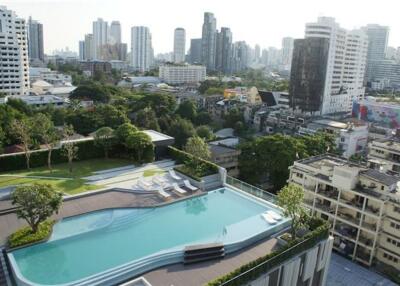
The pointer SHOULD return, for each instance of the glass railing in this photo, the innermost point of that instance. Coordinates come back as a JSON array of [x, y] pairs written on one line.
[[245, 187]]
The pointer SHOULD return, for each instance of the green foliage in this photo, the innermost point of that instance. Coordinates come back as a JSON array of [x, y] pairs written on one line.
[[159, 103], [181, 129], [253, 270], [25, 235], [197, 147], [142, 146], [233, 117], [357, 158], [204, 132], [187, 110], [36, 203], [23, 131], [319, 143], [202, 118], [124, 131], [290, 199], [215, 90], [147, 119], [20, 106], [93, 91], [104, 138]]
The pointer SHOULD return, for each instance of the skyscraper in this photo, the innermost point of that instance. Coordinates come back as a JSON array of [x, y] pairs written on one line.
[[195, 51], [377, 45], [257, 53], [341, 69], [14, 63], [35, 40], [179, 45], [141, 48], [89, 47], [223, 50], [100, 37], [287, 51], [208, 41], [82, 55], [115, 33]]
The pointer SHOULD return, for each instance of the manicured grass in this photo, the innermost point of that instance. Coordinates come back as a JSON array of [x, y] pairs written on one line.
[[152, 172], [71, 186], [25, 236]]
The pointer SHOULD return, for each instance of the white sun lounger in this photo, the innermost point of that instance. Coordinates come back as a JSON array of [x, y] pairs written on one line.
[[174, 175], [274, 215], [163, 193], [144, 185], [178, 189], [189, 185], [268, 218]]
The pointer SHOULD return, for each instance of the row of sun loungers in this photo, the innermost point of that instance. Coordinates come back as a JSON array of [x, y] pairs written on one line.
[[271, 217], [162, 183]]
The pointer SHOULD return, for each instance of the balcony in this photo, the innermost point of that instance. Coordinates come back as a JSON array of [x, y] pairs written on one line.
[[353, 203], [333, 194], [372, 210], [346, 230], [369, 226], [349, 218], [368, 242]]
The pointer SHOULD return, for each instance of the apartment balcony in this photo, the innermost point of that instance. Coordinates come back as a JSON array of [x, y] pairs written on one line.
[[333, 194], [328, 209], [346, 230], [363, 256], [372, 210], [349, 218], [308, 202], [352, 203], [367, 242], [370, 226]]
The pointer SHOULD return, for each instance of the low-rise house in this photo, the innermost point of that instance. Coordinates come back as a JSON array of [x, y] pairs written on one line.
[[224, 154]]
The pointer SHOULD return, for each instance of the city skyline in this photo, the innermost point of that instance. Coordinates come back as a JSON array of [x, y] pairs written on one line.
[[239, 19]]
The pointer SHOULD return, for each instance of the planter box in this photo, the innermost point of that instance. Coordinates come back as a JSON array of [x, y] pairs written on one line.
[[207, 183]]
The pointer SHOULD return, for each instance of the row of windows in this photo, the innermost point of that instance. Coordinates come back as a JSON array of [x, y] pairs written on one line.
[[394, 225], [390, 257], [393, 241]]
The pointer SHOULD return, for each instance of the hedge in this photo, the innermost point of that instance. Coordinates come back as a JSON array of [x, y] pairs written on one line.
[[253, 270], [193, 167]]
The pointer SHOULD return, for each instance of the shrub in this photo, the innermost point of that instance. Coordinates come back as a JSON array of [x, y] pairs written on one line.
[[26, 236]]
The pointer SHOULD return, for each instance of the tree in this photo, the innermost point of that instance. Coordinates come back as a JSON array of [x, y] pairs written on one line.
[[124, 131], [320, 143], [146, 118], [181, 129], [187, 110], [104, 138], [108, 115], [198, 148], [35, 203], [142, 145], [290, 199], [2, 139], [233, 116], [204, 132], [92, 91], [47, 133], [203, 118], [70, 150], [22, 130]]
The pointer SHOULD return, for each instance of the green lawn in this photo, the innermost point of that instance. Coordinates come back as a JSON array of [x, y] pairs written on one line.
[[74, 185], [152, 172]]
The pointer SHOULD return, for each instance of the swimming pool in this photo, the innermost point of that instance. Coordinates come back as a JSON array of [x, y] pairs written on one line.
[[104, 247]]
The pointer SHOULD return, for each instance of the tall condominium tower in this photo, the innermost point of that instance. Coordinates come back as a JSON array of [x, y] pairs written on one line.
[[89, 47], [257, 53], [35, 40], [14, 63], [377, 46], [82, 55], [195, 51], [141, 48], [223, 50], [179, 45], [341, 68], [115, 33], [100, 37], [287, 51], [208, 41]]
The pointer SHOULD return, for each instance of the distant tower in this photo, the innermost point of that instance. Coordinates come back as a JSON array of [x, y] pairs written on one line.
[[287, 51], [89, 47], [115, 33], [35, 40], [208, 41], [195, 51], [100, 37], [141, 48], [179, 45], [223, 50]]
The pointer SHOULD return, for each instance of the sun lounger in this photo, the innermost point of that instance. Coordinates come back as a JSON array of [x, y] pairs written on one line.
[[178, 189], [268, 218], [163, 193], [174, 175], [274, 215], [189, 185]]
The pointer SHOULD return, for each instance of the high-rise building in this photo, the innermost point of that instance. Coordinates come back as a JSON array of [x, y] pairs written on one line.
[[35, 40], [257, 53], [14, 63], [208, 41], [342, 67], [141, 48], [100, 37], [240, 56], [82, 55], [377, 45], [89, 47], [115, 33], [223, 50], [195, 51], [287, 51], [179, 45]]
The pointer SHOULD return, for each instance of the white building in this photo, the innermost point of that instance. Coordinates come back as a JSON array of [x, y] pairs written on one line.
[[14, 63], [35, 40], [115, 33], [346, 64], [53, 77], [182, 74], [287, 52], [141, 48], [179, 45], [89, 47], [100, 37]]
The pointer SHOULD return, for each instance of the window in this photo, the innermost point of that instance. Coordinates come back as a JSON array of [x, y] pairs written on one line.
[[394, 225], [390, 257]]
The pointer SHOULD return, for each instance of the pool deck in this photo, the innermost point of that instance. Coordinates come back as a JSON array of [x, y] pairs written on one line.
[[9, 222], [201, 273]]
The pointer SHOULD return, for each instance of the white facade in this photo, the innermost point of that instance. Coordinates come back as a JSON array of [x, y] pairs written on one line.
[[115, 33], [14, 63], [179, 45], [287, 52], [100, 37], [346, 65], [89, 47], [141, 48], [182, 74]]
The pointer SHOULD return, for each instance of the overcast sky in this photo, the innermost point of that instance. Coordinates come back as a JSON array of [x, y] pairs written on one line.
[[262, 22]]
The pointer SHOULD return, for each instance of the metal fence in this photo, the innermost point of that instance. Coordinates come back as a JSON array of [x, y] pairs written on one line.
[[260, 193]]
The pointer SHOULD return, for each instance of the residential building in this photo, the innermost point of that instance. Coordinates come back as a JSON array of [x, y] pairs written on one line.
[[257, 53], [386, 72], [209, 41], [287, 52], [182, 74], [89, 47], [362, 205], [110, 52], [225, 156], [179, 45], [53, 77], [14, 63], [240, 56], [328, 68], [91, 67], [35, 40], [115, 33], [378, 37], [141, 48], [384, 155], [82, 55], [100, 37], [195, 51], [223, 50]]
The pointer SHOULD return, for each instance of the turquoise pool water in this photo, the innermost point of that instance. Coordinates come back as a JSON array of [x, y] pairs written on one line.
[[88, 244]]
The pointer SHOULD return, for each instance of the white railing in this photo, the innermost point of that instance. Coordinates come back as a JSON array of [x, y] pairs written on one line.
[[245, 187]]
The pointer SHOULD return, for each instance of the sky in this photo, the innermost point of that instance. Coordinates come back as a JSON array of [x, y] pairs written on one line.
[[263, 22]]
